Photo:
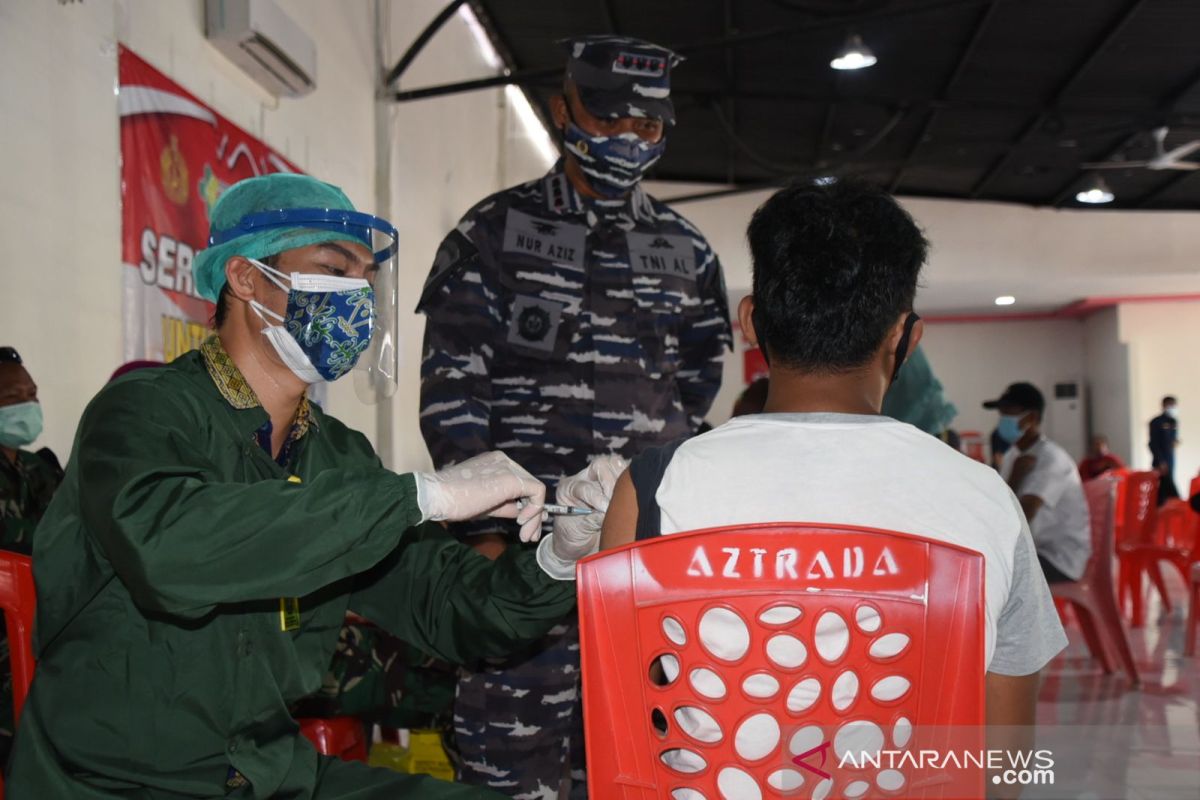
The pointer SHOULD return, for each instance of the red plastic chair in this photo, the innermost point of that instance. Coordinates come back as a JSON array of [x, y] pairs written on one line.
[[344, 737], [1137, 503], [340, 736], [1189, 646], [816, 639], [1094, 596], [1176, 541], [18, 599]]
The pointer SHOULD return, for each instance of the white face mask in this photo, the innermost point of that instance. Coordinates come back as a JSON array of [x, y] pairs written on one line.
[[286, 347], [1172, 412]]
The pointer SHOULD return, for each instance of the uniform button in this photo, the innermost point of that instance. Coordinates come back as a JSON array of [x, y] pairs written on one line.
[[233, 746]]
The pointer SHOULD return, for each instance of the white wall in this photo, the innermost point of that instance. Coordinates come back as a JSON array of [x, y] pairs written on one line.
[[1106, 364], [1162, 339], [975, 361], [60, 206]]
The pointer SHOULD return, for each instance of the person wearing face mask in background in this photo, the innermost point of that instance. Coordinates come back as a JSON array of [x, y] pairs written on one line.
[[214, 527], [27, 483], [1164, 438], [570, 316], [1046, 481], [27, 479]]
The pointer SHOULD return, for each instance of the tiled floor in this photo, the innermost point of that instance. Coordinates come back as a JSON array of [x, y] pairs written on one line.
[[1115, 741]]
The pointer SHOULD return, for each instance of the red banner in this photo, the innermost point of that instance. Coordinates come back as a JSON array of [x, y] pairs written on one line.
[[177, 156]]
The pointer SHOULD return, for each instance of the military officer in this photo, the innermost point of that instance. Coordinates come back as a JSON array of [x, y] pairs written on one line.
[[214, 527], [1164, 438], [570, 316]]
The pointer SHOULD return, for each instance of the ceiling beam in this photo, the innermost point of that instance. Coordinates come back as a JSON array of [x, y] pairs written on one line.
[[737, 39], [422, 39], [1093, 53], [1161, 113], [1164, 187], [959, 65]]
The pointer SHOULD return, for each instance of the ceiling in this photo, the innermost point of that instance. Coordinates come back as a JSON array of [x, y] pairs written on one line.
[[1000, 100]]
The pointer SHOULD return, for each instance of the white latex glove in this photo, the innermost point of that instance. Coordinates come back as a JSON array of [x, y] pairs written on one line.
[[576, 537], [490, 485]]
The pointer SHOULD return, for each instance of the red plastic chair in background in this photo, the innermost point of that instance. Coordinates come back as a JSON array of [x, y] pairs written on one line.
[[1193, 618], [732, 660], [973, 445], [344, 737], [17, 599], [1094, 596], [1176, 541], [341, 736], [1137, 501]]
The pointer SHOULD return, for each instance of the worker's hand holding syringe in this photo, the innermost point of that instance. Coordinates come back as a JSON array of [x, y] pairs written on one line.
[[490, 485], [578, 535]]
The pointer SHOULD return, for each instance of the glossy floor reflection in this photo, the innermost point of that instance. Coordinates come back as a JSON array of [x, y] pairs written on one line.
[[1123, 742]]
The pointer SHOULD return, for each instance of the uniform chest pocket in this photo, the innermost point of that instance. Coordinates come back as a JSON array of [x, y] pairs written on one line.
[[663, 270], [540, 306]]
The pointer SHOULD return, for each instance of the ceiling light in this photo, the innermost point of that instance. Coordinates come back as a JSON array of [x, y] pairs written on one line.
[[854, 55], [1096, 192], [825, 180], [1005, 300]]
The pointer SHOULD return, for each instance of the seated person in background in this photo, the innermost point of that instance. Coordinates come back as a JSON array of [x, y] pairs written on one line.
[[1099, 460], [27, 483], [1046, 480], [835, 275], [27, 480]]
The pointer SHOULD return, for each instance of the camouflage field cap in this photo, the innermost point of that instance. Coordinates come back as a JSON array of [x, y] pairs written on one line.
[[622, 77]]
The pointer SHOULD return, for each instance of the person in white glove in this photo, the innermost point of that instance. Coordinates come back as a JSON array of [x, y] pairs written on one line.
[[575, 537], [491, 485]]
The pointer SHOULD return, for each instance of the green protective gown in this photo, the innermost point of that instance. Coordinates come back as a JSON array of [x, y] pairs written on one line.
[[166, 663]]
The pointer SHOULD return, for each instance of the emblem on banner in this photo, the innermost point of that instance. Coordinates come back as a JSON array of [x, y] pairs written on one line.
[[209, 188], [174, 173]]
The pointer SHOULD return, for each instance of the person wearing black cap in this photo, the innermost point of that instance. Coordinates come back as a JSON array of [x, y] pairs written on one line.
[[569, 317], [1046, 481]]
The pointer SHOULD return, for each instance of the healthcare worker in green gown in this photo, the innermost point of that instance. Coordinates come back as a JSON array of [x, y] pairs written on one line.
[[214, 527]]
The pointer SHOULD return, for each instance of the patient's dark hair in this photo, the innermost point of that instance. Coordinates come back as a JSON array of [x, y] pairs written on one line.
[[835, 266]]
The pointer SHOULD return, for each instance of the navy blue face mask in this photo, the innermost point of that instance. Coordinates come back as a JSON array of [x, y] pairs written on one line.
[[613, 164]]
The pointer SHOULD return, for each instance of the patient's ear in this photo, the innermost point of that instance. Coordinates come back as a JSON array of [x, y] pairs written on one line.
[[746, 320]]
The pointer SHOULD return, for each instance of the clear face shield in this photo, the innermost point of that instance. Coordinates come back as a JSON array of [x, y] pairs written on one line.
[[376, 372]]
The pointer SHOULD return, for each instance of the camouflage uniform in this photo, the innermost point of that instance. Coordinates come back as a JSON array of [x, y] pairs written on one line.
[[561, 327], [382, 679], [26, 487]]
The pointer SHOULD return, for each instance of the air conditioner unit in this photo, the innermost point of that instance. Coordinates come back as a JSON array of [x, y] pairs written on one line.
[[262, 40]]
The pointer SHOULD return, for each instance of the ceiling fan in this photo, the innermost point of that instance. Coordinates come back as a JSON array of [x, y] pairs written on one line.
[[1162, 159]]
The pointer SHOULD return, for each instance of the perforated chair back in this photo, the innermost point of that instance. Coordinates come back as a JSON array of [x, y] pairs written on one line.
[[1137, 500], [1101, 495], [741, 662]]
